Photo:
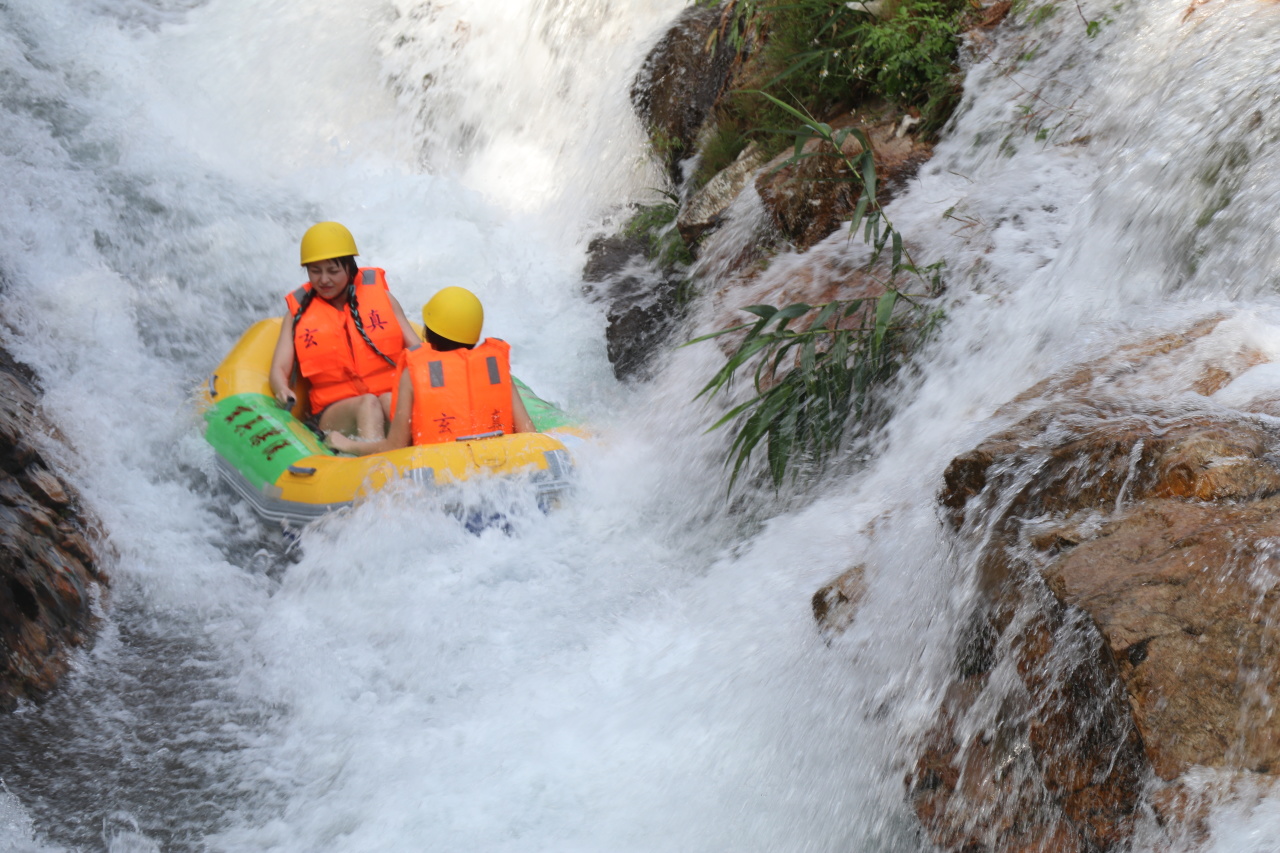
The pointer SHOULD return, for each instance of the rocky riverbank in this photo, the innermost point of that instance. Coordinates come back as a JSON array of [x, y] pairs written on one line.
[[681, 94], [1116, 672], [51, 580]]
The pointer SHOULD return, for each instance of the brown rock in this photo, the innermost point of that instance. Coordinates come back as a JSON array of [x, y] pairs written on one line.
[[1129, 598], [809, 200], [48, 577], [1173, 588], [704, 211], [836, 604], [995, 13]]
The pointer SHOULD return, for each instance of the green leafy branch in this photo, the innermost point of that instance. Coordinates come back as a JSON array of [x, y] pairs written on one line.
[[810, 383]]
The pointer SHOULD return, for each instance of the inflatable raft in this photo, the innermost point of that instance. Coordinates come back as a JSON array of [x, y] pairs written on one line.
[[283, 469]]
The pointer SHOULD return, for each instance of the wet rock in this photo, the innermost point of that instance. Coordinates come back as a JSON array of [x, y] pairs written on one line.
[[680, 82], [642, 299], [1128, 611], [639, 324], [811, 199], [836, 605], [49, 577], [610, 258], [704, 210]]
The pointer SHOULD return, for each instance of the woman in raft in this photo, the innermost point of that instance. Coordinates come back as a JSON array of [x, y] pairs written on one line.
[[457, 386], [346, 342]]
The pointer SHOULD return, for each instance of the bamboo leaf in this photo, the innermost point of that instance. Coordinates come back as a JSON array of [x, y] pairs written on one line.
[[884, 312], [726, 373], [808, 356], [734, 412], [824, 316], [807, 119], [781, 441], [755, 428], [858, 212], [794, 310], [868, 163], [718, 334]]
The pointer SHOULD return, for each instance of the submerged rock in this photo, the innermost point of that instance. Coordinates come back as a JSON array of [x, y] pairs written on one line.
[[836, 605], [49, 577]]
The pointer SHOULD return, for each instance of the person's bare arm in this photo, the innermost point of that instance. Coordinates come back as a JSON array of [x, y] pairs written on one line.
[[523, 423], [282, 365], [398, 433], [411, 339]]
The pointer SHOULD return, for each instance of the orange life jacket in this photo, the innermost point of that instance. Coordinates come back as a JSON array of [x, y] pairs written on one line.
[[333, 356], [461, 392]]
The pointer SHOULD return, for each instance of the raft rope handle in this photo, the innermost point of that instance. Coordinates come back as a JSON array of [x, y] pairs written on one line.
[[497, 433]]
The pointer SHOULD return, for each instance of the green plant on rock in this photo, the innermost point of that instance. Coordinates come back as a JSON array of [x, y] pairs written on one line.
[[812, 383], [655, 224], [829, 53], [721, 148], [801, 411]]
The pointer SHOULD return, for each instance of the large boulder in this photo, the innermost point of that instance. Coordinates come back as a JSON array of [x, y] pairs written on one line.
[[680, 81], [1127, 610], [50, 582]]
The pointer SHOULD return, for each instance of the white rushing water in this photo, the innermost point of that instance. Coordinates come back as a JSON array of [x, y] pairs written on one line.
[[639, 670]]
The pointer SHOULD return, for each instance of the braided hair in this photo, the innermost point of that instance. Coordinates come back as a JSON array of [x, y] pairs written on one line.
[[349, 265]]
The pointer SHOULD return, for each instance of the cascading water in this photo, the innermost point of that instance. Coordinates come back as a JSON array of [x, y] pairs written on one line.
[[639, 670]]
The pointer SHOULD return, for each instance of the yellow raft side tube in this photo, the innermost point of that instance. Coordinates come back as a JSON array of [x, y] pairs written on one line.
[[287, 473]]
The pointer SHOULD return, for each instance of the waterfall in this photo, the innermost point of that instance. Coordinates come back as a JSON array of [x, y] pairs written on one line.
[[638, 670]]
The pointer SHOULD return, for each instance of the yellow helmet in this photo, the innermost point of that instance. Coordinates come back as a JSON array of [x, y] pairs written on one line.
[[454, 313], [326, 240]]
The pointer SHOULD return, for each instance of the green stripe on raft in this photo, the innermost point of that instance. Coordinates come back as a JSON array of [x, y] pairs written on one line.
[[261, 440], [258, 437], [544, 415]]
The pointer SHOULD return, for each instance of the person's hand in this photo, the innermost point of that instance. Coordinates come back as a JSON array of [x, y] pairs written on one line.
[[286, 398], [337, 441]]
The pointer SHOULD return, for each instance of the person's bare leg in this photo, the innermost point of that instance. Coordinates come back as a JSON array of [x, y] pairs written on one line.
[[371, 422], [360, 417]]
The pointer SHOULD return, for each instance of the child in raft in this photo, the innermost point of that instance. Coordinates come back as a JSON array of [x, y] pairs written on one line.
[[455, 387], [346, 342]]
